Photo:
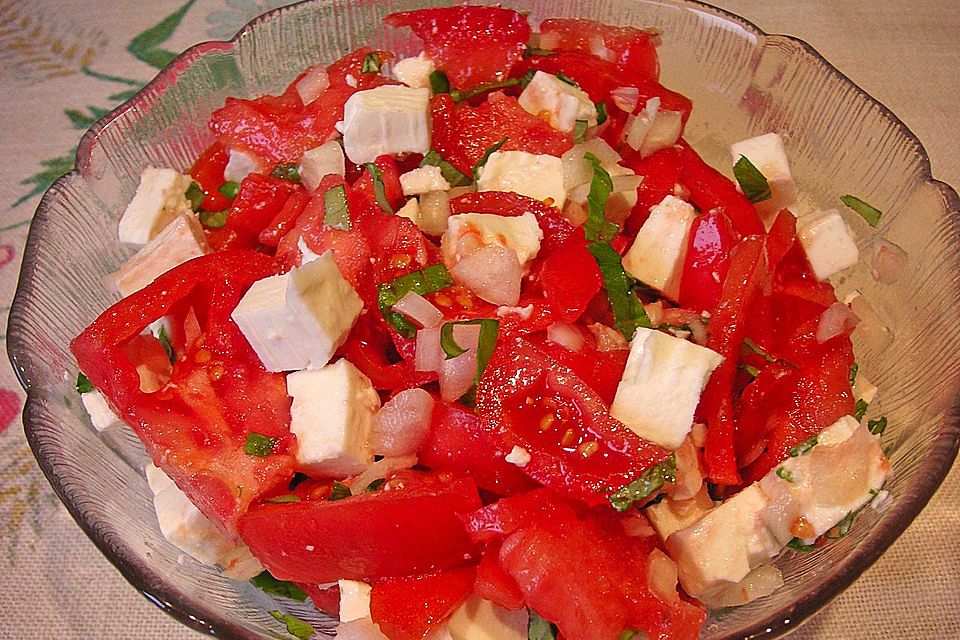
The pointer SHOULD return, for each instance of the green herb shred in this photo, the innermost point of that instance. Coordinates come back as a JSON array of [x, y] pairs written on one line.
[[439, 82], [869, 213], [601, 112], [83, 384], [447, 342], [628, 313], [449, 172], [842, 528], [540, 629], [798, 545], [853, 373], [336, 213], [268, 584], [580, 131], [295, 626], [803, 447], [562, 77], [379, 191], [287, 171], [460, 96], [428, 280], [641, 488], [286, 498], [229, 189], [751, 370], [597, 227], [878, 426], [258, 444], [860, 409], [526, 78], [214, 219], [195, 196], [375, 486], [371, 63], [339, 491], [753, 183], [486, 156], [164, 339], [785, 474], [536, 52]]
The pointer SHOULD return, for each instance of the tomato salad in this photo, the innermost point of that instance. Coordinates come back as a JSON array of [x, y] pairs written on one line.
[[474, 344]]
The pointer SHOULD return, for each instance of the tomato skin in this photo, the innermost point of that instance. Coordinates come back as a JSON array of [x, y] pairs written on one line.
[[410, 608], [207, 172], [470, 44], [708, 258], [271, 234], [390, 174], [710, 189], [660, 172], [325, 599], [632, 48], [260, 200], [366, 348], [570, 278], [495, 584], [195, 427], [411, 528]]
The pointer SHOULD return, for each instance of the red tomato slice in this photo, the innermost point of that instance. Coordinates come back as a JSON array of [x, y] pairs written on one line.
[[412, 526], [630, 48], [601, 370], [410, 608], [472, 45], [570, 278], [390, 175], [369, 349], [708, 258], [529, 400], [495, 584], [271, 235], [261, 199], [556, 229], [207, 171], [660, 172], [196, 426], [710, 189], [325, 599]]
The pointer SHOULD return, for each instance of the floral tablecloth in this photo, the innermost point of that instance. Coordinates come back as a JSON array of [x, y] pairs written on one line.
[[65, 63]]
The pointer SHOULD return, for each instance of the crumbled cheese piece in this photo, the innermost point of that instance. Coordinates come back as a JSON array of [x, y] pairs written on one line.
[[423, 180], [537, 176], [467, 232], [414, 72], [829, 245], [180, 241], [101, 415], [389, 119], [240, 165], [768, 155], [518, 456], [320, 162], [159, 199], [657, 253]]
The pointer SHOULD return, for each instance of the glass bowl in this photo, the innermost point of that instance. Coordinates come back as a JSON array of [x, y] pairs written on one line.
[[742, 82]]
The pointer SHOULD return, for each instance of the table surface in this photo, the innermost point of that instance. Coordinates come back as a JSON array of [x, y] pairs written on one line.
[[58, 586]]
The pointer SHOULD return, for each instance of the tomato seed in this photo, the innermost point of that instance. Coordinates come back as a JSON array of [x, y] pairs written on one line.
[[400, 261], [568, 438], [547, 421], [587, 449], [202, 356]]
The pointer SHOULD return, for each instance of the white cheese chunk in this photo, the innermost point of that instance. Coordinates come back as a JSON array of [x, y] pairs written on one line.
[[320, 162], [159, 199], [332, 416], [661, 386], [361, 629], [537, 176], [518, 456], [562, 104], [313, 83], [467, 232], [767, 154], [657, 254], [101, 415], [386, 120], [240, 165], [354, 600], [829, 245], [180, 241], [297, 320], [423, 180], [414, 72], [478, 619]]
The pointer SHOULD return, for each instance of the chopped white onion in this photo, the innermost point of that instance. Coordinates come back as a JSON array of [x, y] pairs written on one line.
[[574, 212], [654, 311], [639, 125], [636, 525], [690, 472], [429, 355], [549, 41], [418, 309], [662, 576], [312, 84], [457, 374], [239, 564], [759, 583], [626, 98], [836, 320], [577, 170], [608, 338], [698, 434], [381, 469], [434, 212], [566, 335], [600, 49], [888, 262], [402, 423], [666, 130], [493, 273], [625, 183], [872, 330]]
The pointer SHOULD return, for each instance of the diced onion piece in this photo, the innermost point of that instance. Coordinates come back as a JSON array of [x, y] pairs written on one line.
[[871, 330], [608, 338], [578, 171], [836, 320], [759, 583], [599, 48], [636, 525], [434, 212], [690, 472], [654, 311], [662, 576], [418, 309], [239, 564], [457, 374], [698, 434], [566, 335], [381, 469], [429, 355], [626, 98], [402, 423], [312, 84], [888, 262], [493, 273], [575, 212], [549, 41], [664, 133], [625, 183], [639, 125]]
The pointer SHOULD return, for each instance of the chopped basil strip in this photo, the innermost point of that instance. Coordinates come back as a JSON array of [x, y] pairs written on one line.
[[164, 339], [878, 426], [750, 344], [486, 156], [749, 368], [785, 474], [562, 77], [339, 491], [268, 584], [450, 347], [842, 528], [214, 219], [296, 480], [195, 195], [871, 214], [83, 384], [449, 172], [597, 227], [295, 626], [336, 213], [797, 545], [460, 96], [601, 112], [229, 189], [628, 634], [536, 52], [628, 313], [428, 280], [379, 191], [580, 131], [259, 445], [753, 183], [526, 78], [651, 481], [284, 499], [486, 343], [287, 171], [375, 486], [803, 447], [371, 63], [439, 82], [540, 629], [853, 373], [860, 409]]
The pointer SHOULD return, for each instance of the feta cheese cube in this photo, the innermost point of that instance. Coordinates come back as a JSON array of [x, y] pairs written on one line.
[[562, 104], [829, 245], [537, 176], [657, 254], [332, 416], [478, 619], [386, 120], [661, 386], [423, 180], [411, 211], [518, 456], [414, 72], [101, 415], [159, 199], [240, 165], [467, 232], [320, 162], [297, 320], [354, 600], [767, 154], [180, 241]]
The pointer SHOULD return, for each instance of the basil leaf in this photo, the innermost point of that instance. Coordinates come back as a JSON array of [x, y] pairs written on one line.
[[753, 183], [379, 191], [258, 444], [83, 384], [562, 77], [797, 545], [297, 479], [785, 474], [268, 584], [371, 63], [195, 196], [336, 213], [486, 343], [536, 52], [853, 373], [460, 96], [628, 313], [486, 156], [439, 82], [750, 369], [526, 78], [597, 227], [164, 339], [214, 219], [627, 634], [295, 626], [286, 498], [871, 214], [287, 171], [860, 409], [339, 491], [842, 528], [580, 131], [428, 280], [878, 426], [650, 481], [375, 486], [539, 628], [449, 172], [803, 447], [450, 347], [601, 112], [752, 346], [229, 189]]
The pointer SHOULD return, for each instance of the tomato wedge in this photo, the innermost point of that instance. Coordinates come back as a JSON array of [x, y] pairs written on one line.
[[411, 608], [630, 48]]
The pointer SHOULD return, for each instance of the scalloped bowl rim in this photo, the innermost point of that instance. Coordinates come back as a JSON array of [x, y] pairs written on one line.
[[152, 585]]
